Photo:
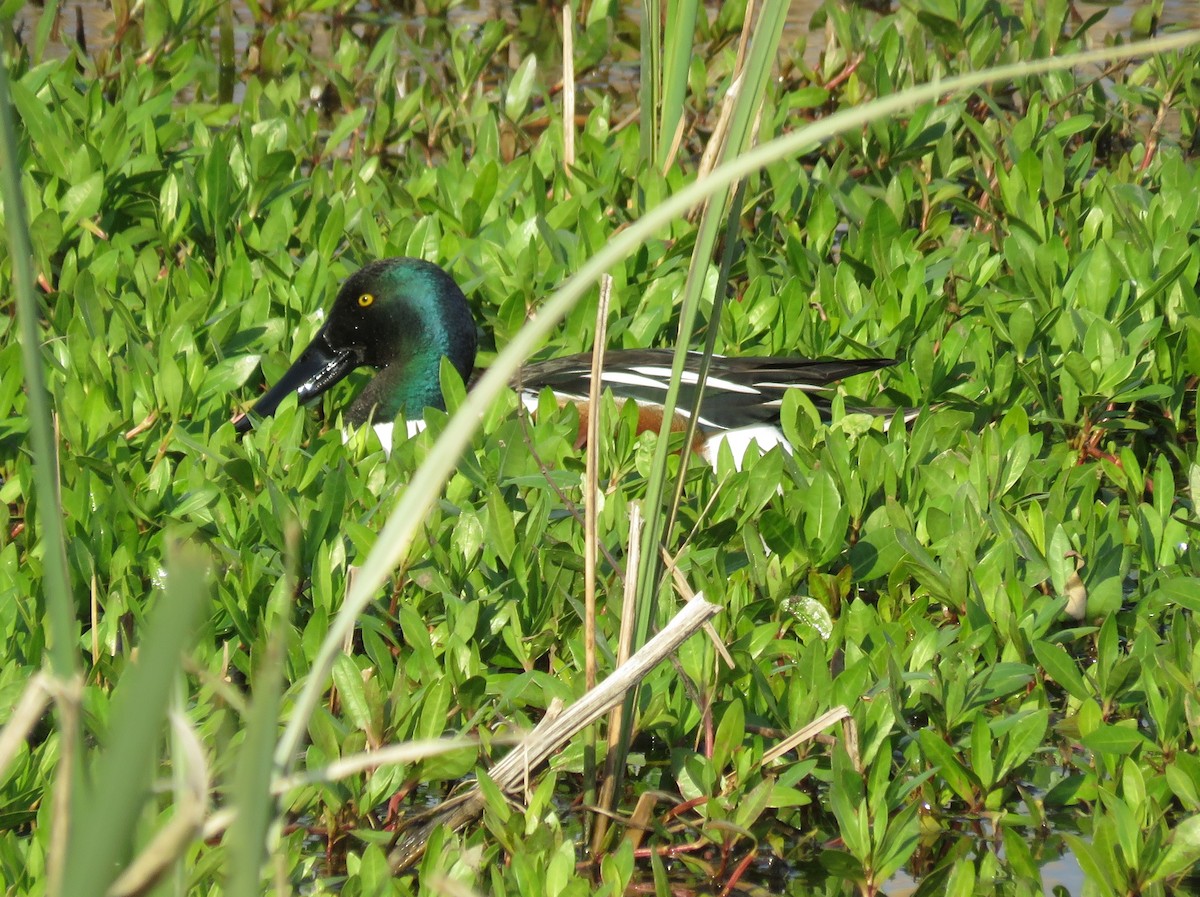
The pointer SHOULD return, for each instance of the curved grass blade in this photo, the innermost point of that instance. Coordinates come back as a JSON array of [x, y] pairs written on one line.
[[396, 537]]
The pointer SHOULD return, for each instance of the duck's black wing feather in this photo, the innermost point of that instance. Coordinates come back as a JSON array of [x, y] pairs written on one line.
[[739, 391]]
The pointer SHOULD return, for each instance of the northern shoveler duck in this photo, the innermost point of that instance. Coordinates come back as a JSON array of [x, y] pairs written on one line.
[[402, 315]]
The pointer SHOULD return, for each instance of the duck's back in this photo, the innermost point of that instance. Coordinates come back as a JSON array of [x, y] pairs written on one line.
[[739, 391]]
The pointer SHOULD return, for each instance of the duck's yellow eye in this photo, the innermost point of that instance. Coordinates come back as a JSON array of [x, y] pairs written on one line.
[[365, 300]]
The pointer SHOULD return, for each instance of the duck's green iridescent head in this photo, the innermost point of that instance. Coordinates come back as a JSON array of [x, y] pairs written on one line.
[[398, 315]]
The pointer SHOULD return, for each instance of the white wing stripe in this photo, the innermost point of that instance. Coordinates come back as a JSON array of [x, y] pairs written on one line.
[[804, 387], [631, 380], [690, 378], [727, 385]]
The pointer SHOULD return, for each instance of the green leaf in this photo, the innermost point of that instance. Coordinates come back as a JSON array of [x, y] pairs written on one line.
[[351, 692], [346, 125], [1181, 590], [731, 732], [1023, 738], [1020, 329], [1119, 740], [960, 780], [982, 748], [434, 710], [47, 133], [228, 375], [1097, 871], [82, 200], [752, 805], [849, 806], [1060, 667], [898, 843], [842, 865], [516, 100], [1183, 851]]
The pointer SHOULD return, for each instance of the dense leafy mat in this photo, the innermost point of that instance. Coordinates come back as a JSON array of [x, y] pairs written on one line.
[[1029, 253]]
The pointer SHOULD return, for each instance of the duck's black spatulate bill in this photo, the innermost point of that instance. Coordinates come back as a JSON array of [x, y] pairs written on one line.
[[318, 368]]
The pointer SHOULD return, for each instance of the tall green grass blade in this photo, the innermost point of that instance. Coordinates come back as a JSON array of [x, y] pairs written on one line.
[[729, 245], [760, 60], [764, 46], [254, 802], [107, 809], [225, 45], [679, 32], [59, 608], [247, 838], [648, 89], [45, 27], [762, 50]]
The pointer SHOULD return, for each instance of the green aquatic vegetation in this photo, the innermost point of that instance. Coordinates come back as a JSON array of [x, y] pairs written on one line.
[[1001, 594]]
